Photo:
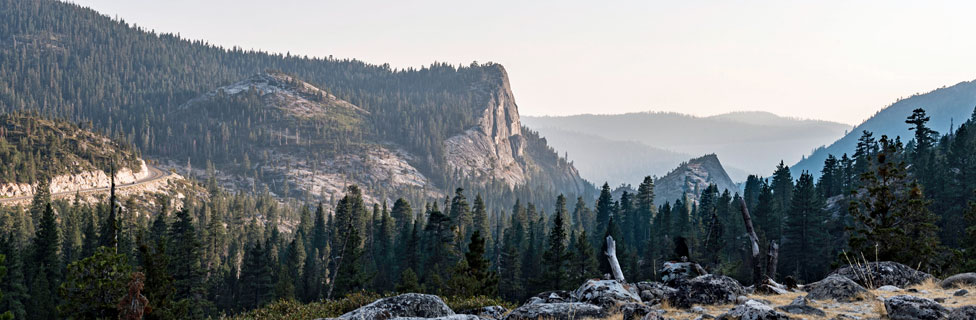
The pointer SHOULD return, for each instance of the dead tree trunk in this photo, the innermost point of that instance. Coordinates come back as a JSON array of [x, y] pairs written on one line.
[[772, 257], [747, 219], [612, 256]]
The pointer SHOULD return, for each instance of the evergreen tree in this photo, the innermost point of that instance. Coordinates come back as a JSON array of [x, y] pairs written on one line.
[[256, 278], [155, 265], [47, 267], [94, 286], [188, 274], [584, 265], [803, 250], [556, 256], [969, 244], [110, 229], [510, 286], [408, 282], [6, 315], [350, 215], [782, 187], [604, 209], [644, 214], [481, 220], [890, 215], [460, 213], [472, 275], [402, 214]]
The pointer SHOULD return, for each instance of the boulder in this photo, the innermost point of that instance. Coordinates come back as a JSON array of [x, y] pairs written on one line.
[[558, 296], [402, 306], [655, 292], [837, 287], [753, 310], [885, 273], [963, 313], [889, 288], [906, 307], [959, 280], [707, 289], [960, 293], [556, 311], [454, 317], [489, 312], [674, 270], [634, 311], [653, 316], [607, 293], [801, 305]]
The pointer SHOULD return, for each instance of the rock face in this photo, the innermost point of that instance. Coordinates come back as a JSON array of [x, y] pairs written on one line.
[[79, 181], [691, 176], [556, 311], [753, 310], [607, 293], [495, 146], [706, 289], [959, 280], [908, 307], [885, 273], [836, 287], [405, 305]]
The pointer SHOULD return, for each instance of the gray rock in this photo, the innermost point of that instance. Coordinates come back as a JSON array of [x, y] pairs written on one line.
[[634, 311], [889, 288], [454, 317], [402, 306], [558, 296], [911, 307], [653, 316], [753, 310], [707, 289], [837, 287], [655, 292], [801, 305], [960, 293], [674, 270], [885, 273], [607, 293], [489, 312], [963, 313], [959, 280], [556, 311]]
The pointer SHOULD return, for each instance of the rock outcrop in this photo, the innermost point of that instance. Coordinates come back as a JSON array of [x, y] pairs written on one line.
[[691, 177], [556, 311], [402, 306], [838, 288], [914, 308], [885, 273], [959, 280], [607, 293], [674, 270], [802, 306], [963, 313], [753, 310], [706, 289]]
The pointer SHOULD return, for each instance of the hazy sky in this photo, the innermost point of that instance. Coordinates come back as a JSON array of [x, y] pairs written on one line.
[[833, 60]]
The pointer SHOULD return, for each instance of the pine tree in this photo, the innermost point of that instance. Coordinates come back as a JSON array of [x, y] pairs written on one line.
[[47, 267], [511, 286], [556, 256], [402, 214], [644, 214], [584, 264], [155, 265], [350, 215], [782, 187], [969, 243], [256, 278], [481, 220], [188, 274], [110, 229], [803, 253], [460, 213], [6, 315], [891, 217], [408, 282], [94, 286], [604, 209], [472, 275]]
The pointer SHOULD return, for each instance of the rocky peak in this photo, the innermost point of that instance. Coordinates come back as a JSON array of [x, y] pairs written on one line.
[[691, 178], [283, 91]]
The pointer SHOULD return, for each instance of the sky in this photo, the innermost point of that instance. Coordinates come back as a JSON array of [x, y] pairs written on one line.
[[831, 60]]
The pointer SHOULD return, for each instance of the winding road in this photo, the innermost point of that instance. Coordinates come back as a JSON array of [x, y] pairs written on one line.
[[154, 175]]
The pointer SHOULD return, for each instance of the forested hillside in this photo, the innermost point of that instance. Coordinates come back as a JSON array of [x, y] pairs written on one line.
[[70, 62], [946, 106]]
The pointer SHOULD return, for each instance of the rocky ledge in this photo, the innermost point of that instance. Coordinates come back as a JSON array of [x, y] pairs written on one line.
[[687, 295]]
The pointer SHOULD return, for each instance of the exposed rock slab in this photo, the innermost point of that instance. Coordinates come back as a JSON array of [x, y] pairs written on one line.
[[802, 306], [673, 270], [963, 313], [556, 311], [406, 305], [707, 289], [489, 312], [959, 280], [837, 287], [557, 296], [885, 273], [753, 310], [655, 292], [607, 293], [906, 307]]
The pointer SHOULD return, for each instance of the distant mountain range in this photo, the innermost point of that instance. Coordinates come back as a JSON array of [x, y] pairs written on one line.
[[946, 107], [748, 142]]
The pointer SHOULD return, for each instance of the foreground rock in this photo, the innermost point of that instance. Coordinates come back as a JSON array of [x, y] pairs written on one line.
[[653, 293], [885, 273], [909, 307], [801, 305], [708, 289], [963, 313], [408, 305], [490, 312], [753, 310], [558, 296], [607, 294], [959, 280], [556, 311], [838, 288], [673, 270]]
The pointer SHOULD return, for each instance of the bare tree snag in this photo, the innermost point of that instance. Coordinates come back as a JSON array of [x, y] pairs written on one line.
[[772, 257], [612, 256], [756, 269]]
